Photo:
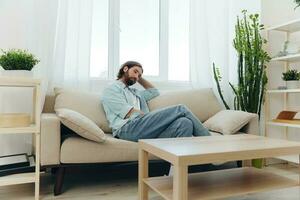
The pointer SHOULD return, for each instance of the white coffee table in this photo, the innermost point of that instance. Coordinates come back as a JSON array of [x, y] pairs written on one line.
[[183, 152]]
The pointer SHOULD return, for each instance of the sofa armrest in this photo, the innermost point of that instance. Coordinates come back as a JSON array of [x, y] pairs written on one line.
[[50, 139], [252, 127]]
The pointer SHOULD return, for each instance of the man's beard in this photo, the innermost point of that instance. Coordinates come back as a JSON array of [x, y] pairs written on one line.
[[129, 81]]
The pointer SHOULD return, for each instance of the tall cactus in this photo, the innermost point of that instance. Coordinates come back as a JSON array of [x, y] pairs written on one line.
[[252, 59]]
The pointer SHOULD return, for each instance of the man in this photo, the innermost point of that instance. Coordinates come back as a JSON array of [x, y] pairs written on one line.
[[128, 114]]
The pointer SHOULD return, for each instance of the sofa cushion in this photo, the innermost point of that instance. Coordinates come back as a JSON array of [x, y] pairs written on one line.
[[86, 103], [228, 121], [86, 151], [202, 102], [81, 125], [112, 150]]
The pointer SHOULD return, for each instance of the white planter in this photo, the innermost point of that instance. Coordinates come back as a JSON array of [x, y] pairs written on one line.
[[292, 84], [17, 73]]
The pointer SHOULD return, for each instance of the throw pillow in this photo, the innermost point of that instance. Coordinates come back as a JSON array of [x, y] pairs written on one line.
[[86, 103], [228, 121], [81, 125]]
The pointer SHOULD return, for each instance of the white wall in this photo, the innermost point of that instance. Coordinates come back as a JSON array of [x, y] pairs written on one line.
[[14, 22], [279, 11], [276, 13]]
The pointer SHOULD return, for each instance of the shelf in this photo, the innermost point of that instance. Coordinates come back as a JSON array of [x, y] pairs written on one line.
[[290, 158], [17, 179], [284, 123], [289, 58], [30, 129], [222, 183], [291, 26], [284, 91], [18, 82], [287, 28], [33, 177]]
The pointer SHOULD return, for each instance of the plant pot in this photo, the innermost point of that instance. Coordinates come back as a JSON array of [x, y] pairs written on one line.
[[17, 73], [292, 84], [258, 163]]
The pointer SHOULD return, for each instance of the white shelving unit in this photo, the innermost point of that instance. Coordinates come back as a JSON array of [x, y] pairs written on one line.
[[287, 28], [284, 91], [289, 58], [34, 128]]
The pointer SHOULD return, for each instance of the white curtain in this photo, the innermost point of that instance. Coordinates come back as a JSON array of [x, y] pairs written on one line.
[[70, 39], [68, 42], [71, 58], [61, 37], [211, 33]]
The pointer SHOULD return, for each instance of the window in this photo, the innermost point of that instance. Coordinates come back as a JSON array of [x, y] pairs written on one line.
[[178, 40], [99, 40], [139, 34], [152, 32]]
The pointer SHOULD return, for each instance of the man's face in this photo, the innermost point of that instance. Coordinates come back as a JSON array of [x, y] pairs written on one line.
[[132, 75]]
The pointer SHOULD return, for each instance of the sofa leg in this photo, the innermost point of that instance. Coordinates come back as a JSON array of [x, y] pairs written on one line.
[[53, 170], [60, 173], [239, 163]]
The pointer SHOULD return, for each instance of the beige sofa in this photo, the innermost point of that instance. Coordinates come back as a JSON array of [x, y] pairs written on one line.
[[61, 153]]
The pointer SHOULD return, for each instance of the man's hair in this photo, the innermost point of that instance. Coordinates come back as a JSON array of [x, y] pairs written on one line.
[[129, 64]]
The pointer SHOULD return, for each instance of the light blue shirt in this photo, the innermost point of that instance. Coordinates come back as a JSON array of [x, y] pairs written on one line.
[[117, 101]]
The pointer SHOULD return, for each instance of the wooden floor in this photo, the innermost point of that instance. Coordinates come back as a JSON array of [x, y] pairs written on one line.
[[96, 186]]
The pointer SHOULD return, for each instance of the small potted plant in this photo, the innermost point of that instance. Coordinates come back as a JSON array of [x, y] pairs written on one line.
[[291, 77], [16, 62]]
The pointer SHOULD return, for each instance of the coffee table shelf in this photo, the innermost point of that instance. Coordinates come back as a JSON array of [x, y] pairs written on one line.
[[183, 152], [222, 183]]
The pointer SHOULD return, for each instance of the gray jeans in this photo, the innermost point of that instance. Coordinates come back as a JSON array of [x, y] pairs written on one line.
[[169, 122]]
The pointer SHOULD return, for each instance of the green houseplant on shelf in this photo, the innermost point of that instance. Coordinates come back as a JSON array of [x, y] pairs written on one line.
[[291, 77], [17, 61], [252, 59]]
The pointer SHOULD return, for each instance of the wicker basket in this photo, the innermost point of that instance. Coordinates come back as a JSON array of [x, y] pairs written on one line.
[[11, 120]]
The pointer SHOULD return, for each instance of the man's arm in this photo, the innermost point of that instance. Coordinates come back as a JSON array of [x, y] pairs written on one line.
[[132, 111], [146, 84], [150, 91]]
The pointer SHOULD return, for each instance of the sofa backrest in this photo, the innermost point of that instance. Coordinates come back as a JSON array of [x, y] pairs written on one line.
[[202, 102]]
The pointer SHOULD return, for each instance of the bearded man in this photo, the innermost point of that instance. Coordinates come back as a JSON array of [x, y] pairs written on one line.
[[128, 114]]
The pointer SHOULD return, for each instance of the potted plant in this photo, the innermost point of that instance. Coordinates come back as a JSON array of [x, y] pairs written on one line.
[[252, 59], [291, 77], [17, 62], [251, 68]]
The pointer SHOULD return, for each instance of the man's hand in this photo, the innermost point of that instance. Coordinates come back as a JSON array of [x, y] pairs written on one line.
[[133, 111], [146, 84]]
